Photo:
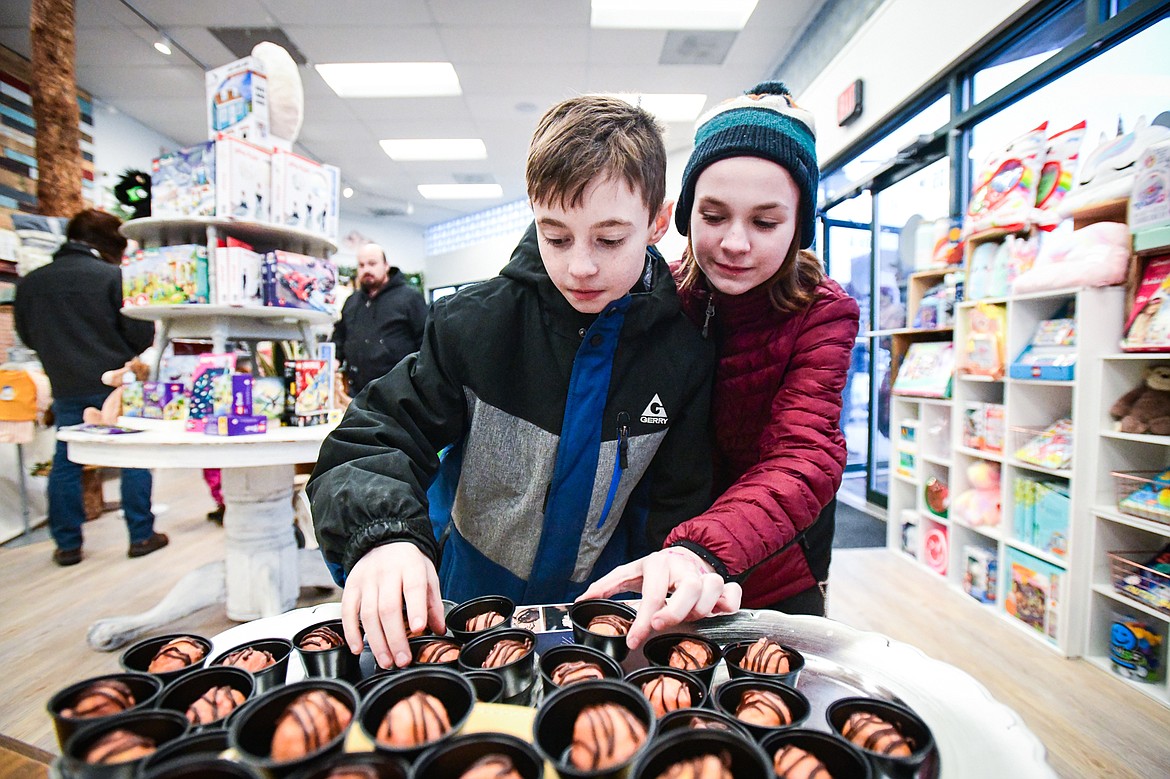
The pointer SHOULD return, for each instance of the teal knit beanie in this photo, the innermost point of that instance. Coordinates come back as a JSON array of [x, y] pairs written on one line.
[[765, 123]]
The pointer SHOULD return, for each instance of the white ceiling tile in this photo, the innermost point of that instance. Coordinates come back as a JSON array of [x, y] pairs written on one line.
[[177, 82], [209, 13], [524, 45], [362, 14], [631, 48], [400, 43], [202, 44], [123, 45], [567, 14], [92, 14], [563, 79]]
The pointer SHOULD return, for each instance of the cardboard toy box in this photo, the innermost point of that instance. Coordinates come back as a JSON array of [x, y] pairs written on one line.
[[1149, 202], [238, 275], [231, 424], [164, 400], [210, 389], [225, 177], [305, 194], [299, 281], [268, 397], [308, 392], [237, 100], [1034, 592], [980, 573]]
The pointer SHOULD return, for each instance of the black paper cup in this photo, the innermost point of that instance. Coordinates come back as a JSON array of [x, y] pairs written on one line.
[[552, 731], [488, 685], [518, 675], [205, 744], [181, 693], [839, 756], [733, 656], [681, 719], [458, 616], [145, 687], [694, 685], [366, 686], [657, 651], [453, 691], [728, 695], [160, 727], [384, 766], [582, 612], [572, 653], [452, 758], [201, 767], [250, 731], [138, 656], [275, 674], [746, 757], [909, 724], [335, 663], [417, 645]]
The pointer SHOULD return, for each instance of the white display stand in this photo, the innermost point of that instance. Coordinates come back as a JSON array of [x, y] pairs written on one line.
[[227, 323], [262, 572]]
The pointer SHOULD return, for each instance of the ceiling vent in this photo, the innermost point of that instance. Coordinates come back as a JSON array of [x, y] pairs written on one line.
[[473, 178], [696, 47], [240, 40], [390, 207]]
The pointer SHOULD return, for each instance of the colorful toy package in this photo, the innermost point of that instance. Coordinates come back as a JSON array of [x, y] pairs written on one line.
[[165, 400], [983, 351], [926, 370], [1137, 647], [1035, 592], [132, 399], [299, 281], [1144, 579], [237, 100], [1149, 202], [268, 397], [1005, 188], [308, 392], [1056, 176], [980, 572], [211, 389], [1050, 448], [1147, 328], [1109, 170], [1150, 499]]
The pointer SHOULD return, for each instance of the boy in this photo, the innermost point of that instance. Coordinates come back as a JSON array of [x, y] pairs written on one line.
[[571, 389]]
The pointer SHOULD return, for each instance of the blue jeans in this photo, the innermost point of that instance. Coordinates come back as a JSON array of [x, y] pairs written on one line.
[[66, 506]]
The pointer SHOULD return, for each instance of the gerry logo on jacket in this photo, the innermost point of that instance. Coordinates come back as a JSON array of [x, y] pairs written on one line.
[[654, 414]]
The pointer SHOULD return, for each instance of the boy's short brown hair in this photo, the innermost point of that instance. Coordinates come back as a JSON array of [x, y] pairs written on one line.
[[591, 136]]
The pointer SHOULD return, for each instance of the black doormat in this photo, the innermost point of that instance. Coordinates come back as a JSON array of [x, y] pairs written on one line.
[[857, 530]]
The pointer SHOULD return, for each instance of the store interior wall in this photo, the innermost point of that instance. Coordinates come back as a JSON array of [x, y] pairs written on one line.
[[122, 143], [903, 45]]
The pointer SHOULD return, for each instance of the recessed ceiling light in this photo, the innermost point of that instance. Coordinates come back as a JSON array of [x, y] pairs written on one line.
[[407, 149], [667, 107], [391, 79], [162, 47], [672, 14], [460, 191], [347, 192]]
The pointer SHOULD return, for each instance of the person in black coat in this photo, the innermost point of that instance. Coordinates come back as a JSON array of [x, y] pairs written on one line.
[[69, 312], [381, 322]]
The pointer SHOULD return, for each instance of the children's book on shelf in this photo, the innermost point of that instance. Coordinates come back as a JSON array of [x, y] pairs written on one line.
[[1147, 328], [926, 370], [1051, 353], [1050, 518], [1034, 593], [1051, 447]]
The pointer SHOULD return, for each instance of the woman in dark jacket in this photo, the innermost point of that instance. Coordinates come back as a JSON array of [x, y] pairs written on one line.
[[784, 333]]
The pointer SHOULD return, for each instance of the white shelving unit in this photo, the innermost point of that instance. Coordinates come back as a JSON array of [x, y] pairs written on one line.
[[1027, 404], [227, 323], [1110, 530]]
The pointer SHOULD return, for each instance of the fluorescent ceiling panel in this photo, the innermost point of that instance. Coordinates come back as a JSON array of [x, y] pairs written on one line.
[[460, 191], [391, 79], [667, 107], [413, 149], [671, 14]]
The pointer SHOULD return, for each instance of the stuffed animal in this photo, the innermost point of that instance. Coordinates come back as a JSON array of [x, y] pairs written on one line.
[[1146, 409], [979, 505], [135, 370]]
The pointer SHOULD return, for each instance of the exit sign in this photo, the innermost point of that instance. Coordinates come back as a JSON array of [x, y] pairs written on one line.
[[849, 104]]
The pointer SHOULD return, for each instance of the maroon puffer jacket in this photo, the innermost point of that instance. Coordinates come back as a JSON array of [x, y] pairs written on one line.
[[778, 446]]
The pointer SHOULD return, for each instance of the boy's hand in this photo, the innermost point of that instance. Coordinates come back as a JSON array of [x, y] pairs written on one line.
[[695, 591], [389, 583]]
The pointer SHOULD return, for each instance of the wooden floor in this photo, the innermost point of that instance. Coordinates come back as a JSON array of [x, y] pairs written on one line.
[[1092, 726]]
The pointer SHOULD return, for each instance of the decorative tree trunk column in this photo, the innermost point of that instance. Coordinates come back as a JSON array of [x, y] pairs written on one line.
[[54, 104]]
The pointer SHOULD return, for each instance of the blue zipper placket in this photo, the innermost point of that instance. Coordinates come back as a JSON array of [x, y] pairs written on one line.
[[578, 452]]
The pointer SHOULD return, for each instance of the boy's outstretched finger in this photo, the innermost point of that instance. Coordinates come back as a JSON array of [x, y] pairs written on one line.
[[390, 616], [624, 578], [655, 584], [351, 625], [437, 619], [372, 624], [679, 605]]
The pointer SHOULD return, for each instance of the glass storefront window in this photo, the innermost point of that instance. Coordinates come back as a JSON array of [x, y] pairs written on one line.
[[861, 167], [1041, 42], [1129, 81]]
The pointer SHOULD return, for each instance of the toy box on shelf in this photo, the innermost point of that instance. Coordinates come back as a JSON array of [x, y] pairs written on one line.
[[237, 100], [239, 273], [1034, 592], [980, 573], [983, 347], [1149, 200], [210, 389], [1051, 354], [983, 426], [1147, 327], [305, 194], [297, 281], [227, 177], [1143, 576], [308, 392], [165, 400], [268, 397], [1144, 494], [1049, 447], [1137, 647], [926, 370], [165, 275]]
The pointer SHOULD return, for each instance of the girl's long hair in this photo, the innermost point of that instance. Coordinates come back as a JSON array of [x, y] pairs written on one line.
[[791, 289]]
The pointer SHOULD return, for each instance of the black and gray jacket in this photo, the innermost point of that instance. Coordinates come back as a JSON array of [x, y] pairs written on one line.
[[571, 443]]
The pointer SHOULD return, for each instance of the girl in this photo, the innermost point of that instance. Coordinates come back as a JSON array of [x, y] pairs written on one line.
[[784, 333]]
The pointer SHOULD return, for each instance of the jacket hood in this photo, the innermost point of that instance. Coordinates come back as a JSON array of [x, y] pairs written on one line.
[[655, 293]]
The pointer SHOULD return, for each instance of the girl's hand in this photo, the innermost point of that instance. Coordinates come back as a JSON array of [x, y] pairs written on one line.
[[676, 585]]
